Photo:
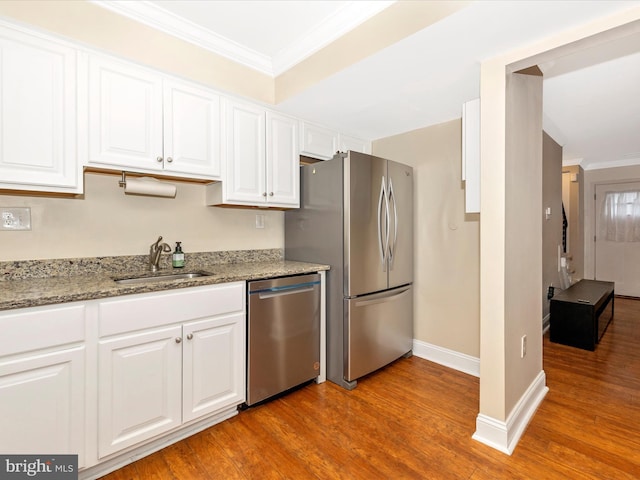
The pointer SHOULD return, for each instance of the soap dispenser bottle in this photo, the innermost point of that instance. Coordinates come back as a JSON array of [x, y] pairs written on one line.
[[178, 256]]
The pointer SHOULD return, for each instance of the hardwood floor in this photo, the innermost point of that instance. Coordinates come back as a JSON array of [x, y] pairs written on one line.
[[414, 420]]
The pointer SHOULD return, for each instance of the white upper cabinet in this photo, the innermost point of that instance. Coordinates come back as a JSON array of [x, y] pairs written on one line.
[[125, 115], [283, 161], [191, 129], [245, 150], [318, 142], [262, 159], [471, 155], [143, 121], [38, 80], [356, 144], [323, 143]]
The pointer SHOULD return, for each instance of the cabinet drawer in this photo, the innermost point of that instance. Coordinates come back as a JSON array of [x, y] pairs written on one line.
[[41, 327], [137, 312]]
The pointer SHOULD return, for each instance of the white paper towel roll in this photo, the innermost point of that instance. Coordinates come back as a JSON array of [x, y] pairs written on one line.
[[149, 186]]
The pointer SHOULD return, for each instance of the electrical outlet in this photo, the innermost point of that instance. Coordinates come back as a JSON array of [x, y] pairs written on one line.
[[15, 218], [259, 220], [523, 346]]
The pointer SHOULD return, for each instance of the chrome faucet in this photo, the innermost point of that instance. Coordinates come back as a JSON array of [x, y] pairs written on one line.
[[155, 252]]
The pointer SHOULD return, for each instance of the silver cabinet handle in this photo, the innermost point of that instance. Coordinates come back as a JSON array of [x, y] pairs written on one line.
[[159, 159], [178, 340], [271, 194], [190, 336], [169, 159], [264, 194]]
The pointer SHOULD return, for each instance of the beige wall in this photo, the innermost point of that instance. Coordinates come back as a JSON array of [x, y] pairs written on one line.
[[523, 240], [591, 179], [99, 28], [552, 227], [446, 242], [108, 222]]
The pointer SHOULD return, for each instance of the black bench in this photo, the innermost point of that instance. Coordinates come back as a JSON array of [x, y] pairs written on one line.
[[581, 313]]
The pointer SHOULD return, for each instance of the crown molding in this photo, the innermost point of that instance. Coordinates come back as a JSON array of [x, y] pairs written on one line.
[[625, 162], [156, 17], [344, 20]]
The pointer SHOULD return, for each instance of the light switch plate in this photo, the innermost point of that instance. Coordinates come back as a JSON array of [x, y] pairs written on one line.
[[15, 218]]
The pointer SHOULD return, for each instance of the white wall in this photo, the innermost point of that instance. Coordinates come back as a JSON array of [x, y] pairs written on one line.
[[107, 222]]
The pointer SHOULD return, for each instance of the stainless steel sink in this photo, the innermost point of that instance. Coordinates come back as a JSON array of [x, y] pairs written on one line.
[[159, 278]]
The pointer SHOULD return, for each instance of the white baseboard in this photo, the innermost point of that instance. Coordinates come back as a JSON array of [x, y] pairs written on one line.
[[449, 358], [504, 436], [546, 322]]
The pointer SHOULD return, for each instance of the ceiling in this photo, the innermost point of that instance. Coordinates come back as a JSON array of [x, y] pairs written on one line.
[[591, 99]]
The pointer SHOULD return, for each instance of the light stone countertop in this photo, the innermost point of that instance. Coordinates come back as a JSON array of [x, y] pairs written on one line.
[[32, 292]]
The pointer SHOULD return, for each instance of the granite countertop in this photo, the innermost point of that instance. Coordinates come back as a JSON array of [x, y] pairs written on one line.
[[29, 291]]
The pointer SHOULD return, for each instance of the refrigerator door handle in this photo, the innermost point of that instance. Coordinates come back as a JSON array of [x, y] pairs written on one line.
[[383, 243], [392, 245], [381, 297]]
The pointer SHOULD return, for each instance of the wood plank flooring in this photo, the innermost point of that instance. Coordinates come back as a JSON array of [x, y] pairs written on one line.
[[414, 420]]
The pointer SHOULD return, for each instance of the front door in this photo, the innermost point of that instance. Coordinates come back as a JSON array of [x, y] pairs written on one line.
[[617, 248]]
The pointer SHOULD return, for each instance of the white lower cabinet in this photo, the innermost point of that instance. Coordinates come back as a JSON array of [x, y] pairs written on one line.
[[154, 380], [42, 381], [213, 365], [139, 389], [116, 378]]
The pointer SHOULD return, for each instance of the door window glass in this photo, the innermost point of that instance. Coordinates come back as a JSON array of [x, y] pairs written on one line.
[[620, 217]]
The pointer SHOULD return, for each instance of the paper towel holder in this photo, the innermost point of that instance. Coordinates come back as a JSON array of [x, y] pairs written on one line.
[[123, 180], [157, 188]]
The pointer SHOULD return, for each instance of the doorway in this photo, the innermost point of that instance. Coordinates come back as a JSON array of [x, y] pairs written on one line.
[[617, 236]]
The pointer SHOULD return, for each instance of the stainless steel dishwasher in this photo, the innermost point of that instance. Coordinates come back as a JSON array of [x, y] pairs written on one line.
[[283, 334]]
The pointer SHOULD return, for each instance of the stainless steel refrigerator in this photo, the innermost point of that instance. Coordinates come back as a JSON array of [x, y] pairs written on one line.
[[356, 214]]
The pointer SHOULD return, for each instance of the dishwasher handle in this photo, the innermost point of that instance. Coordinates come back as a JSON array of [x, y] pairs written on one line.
[[285, 290]]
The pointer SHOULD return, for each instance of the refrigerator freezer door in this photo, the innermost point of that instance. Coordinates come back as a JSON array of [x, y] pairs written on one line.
[[400, 186], [378, 330], [366, 224]]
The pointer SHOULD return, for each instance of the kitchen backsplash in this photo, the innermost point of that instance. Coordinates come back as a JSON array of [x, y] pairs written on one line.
[[15, 270]]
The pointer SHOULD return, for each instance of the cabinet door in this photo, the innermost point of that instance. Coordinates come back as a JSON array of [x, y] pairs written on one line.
[[356, 144], [318, 142], [140, 384], [244, 177], [42, 404], [213, 365], [125, 115], [191, 130], [37, 114], [283, 161]]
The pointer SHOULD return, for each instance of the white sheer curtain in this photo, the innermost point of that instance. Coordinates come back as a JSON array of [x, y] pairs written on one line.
[[620, 217]]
